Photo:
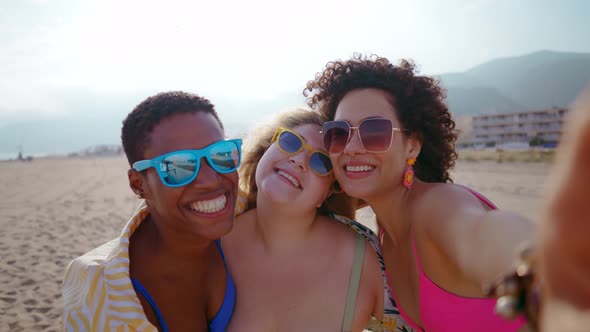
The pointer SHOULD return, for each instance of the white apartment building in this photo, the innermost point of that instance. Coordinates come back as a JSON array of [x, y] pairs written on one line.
[[518, 127]]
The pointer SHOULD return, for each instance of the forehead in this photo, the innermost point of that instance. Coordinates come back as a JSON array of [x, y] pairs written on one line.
[[184, 131], [358, 105], [311, 134]]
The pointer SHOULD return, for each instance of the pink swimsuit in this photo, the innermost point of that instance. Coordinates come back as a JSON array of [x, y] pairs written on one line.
[[441, 311]]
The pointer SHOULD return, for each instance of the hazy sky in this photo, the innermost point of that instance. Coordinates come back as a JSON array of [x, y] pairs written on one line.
[[255, 49]]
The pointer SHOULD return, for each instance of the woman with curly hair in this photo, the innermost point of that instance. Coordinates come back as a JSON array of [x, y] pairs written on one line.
[[295, 267], [391, 140]]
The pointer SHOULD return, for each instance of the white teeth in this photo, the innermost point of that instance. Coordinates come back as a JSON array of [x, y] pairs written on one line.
[[290, 178], [210, 206], [363, 168]]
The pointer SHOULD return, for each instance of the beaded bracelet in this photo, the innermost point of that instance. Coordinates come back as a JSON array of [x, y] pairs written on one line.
[[518, 293]]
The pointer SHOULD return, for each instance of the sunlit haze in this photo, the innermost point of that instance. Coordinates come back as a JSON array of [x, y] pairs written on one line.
[[234, 51]]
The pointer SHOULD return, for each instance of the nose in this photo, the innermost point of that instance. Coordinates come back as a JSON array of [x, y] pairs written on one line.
[[354, 144], [299, 159]]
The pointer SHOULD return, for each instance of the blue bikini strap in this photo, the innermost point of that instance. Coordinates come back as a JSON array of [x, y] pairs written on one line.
[[139, 287]]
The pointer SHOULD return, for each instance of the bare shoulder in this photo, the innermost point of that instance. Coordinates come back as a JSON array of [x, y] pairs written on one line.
[[440, 200], [337, 230], [343, 235], [371, 291], [241, 231], [335, 238], [444, 194]]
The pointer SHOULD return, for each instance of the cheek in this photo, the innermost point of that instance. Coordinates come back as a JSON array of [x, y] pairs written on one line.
[[335, 159], [264, 166], [322, 187], [153, 184], [259, 173], [162, 198], [337, 167], [234, 178]]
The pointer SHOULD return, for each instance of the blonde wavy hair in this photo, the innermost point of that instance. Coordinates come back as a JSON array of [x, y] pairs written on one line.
[[259, 140]]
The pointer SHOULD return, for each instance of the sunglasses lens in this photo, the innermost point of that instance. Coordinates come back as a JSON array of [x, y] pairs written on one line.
[[224, 156], [320, 163], [290, 143], [376, 134], [179, 168], [335, 135]]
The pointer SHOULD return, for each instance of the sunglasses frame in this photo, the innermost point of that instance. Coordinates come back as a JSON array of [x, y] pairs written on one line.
[[199, 154], [350, 128], [304, 145]]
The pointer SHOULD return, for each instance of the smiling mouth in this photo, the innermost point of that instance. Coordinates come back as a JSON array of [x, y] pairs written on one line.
[[209, 206], [359, 168], [290, 178]]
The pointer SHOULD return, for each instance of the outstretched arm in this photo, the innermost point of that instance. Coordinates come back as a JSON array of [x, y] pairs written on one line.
[[483, 244], [565, 233]]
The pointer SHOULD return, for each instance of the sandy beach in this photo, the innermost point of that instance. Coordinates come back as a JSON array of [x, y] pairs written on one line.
[[52, 210]]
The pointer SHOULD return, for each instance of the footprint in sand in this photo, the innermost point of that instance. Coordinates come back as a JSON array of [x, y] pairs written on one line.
[[43, 310], [28, 282], [9, 300], [14, 326]]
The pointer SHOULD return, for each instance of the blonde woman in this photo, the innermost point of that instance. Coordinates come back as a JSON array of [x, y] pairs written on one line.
[[295, 267]]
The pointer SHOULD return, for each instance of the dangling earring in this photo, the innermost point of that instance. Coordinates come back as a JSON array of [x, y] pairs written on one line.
[[409, 173], [139, 195]]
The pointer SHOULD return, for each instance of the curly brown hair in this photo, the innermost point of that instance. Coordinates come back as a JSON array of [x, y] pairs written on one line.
[[259, 140], [418, 101]]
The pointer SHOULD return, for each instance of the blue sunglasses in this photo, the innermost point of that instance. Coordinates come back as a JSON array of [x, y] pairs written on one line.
[[179, 168]]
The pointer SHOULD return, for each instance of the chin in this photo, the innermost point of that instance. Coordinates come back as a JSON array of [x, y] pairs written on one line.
[[357, 192], [225, 227], [218, 230]]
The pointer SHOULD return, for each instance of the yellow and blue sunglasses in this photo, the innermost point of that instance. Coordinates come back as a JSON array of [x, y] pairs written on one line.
[[291, 143], [179, 168]]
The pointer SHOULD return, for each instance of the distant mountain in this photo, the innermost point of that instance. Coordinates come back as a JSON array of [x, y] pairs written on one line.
[[538, 80], [88, 120], [85, 119], [464, 100]]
